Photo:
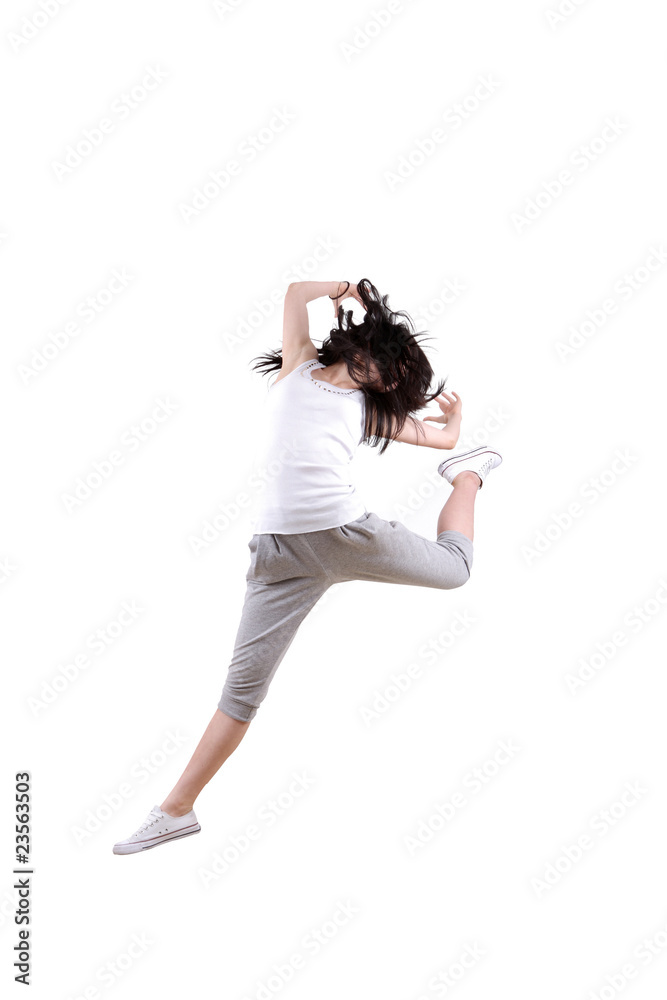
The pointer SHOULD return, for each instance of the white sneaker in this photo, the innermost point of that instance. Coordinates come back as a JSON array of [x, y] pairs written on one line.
[[157, 828], [479, 460]]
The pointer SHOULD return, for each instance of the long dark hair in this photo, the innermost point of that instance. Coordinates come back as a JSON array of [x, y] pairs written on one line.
[[387, 338]]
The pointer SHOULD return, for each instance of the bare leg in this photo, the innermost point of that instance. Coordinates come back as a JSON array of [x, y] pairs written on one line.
[[221, 737], [457, 514]]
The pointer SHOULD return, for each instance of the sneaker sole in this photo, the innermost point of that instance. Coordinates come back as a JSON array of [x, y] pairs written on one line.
[[464, 455], [138, 848]]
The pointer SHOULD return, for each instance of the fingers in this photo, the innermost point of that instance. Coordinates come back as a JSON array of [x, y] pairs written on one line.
[[451, 398], [446, 401]]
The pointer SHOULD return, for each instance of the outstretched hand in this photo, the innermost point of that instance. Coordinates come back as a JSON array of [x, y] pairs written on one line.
[[449, 403]]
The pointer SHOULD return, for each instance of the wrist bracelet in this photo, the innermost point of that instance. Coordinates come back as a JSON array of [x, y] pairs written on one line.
[[340, 293]]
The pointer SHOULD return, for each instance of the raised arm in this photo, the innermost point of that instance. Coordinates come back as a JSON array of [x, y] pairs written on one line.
[[296, 337]]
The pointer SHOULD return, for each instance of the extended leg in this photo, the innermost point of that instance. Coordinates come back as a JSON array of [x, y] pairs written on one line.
[[221, 737], [269, 622]]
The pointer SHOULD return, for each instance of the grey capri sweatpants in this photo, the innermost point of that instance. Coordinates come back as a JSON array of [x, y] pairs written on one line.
[[290, 572]]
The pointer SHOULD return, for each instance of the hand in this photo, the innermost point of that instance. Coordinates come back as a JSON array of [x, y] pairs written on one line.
[[448, 405], [352, 292]]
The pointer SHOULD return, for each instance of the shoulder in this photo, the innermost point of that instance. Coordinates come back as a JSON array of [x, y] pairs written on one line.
[[296, 360]]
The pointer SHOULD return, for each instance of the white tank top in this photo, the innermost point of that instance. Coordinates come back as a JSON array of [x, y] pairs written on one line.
[[301, 478]]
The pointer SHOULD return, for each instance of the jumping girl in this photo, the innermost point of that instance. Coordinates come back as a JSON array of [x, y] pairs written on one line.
[[311, 528]]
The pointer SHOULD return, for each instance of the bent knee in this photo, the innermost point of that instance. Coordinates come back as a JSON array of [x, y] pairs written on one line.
[[458, 563], [457, 578], [457, 571]]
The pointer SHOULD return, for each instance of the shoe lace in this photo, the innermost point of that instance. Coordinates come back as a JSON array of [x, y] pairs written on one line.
[[487, 465], [154, 816]]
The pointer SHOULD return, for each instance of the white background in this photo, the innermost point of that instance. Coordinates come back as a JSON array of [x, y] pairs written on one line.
[[494, 879]]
